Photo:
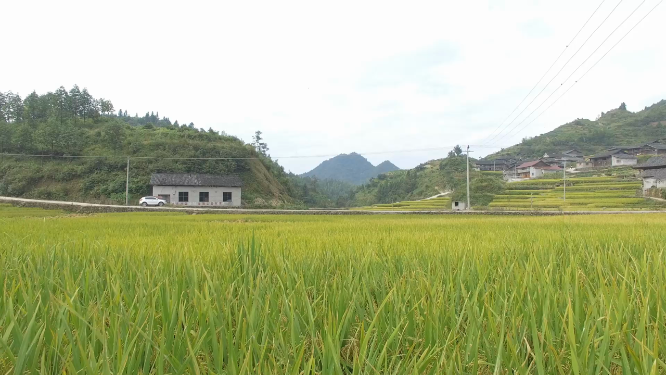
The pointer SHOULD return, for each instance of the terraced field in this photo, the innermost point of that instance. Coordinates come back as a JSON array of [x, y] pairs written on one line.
[[585, 193], [435, 204]]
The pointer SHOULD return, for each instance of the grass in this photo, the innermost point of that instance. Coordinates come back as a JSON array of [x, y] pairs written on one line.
[[8, 212], [222, 294], [435, 204]]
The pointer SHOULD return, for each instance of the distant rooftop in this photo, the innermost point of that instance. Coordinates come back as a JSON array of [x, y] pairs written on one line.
[[625, 156], [194, 179], [655, 173], [653, 162]]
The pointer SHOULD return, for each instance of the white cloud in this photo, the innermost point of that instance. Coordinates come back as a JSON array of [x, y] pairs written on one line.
[[337, 77]]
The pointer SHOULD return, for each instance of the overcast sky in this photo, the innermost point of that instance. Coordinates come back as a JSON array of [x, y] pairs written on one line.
[[323, 78]]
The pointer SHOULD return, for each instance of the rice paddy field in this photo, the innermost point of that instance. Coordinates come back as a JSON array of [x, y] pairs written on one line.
[[582, 194], [434, 204], [166, 293]]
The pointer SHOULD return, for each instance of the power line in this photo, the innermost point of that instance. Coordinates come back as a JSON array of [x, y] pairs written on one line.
[[547, 71], [560, 71], [231, 158], [587, 71], [579, 66]]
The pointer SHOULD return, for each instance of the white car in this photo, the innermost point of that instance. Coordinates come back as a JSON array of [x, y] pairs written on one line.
[[151, 201]]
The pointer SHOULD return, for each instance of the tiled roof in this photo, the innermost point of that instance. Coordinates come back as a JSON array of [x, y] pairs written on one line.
[[653, 162], [657, 146], [625, 156], [194, 179], [606, 154], [655, 173], [528, 164]]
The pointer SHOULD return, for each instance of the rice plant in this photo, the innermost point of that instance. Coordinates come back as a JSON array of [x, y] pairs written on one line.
[[223, 294]]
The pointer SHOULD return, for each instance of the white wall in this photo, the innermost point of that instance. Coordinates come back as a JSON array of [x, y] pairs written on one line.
[[651, 182], [617, 161], [459, 207], [215, 195], [535, 172]]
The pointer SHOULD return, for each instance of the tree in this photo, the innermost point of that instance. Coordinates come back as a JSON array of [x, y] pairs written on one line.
[[13, 107], [3, 103], [258, 145], [623, 107], [106, 107], [6, 132], [23, 140], [48, 134], [75, 101], [458, 150], [60, 100], [35, 108], [88, 105], [113, 135]]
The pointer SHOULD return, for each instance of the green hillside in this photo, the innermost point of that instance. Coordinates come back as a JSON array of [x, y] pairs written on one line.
[[429, 179], [617, 127], [351, 168], [74, 123]]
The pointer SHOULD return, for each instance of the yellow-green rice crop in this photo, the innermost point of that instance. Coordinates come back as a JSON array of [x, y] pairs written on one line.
[[223, 294]]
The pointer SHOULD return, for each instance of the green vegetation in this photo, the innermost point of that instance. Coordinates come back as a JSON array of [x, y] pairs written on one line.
[[582, 193], [434, 204], [8, 212], [430, 179], [74, 123], [166, 293], [617, 127], [351, 168]]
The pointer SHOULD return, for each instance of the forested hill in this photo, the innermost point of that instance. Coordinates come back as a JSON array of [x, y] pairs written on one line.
[[352, 168], [617, 127], [74, 123]]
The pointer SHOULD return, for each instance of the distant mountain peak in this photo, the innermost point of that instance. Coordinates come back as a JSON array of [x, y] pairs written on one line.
[[353, 168]]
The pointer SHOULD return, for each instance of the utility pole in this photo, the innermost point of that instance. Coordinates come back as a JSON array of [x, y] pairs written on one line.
[[127, 184], [468, 204], [565, 180], [531, 202]]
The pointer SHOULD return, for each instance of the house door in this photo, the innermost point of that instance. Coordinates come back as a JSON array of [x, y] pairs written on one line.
[[166, 197]]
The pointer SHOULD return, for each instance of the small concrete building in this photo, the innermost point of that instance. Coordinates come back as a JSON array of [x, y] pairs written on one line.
[[192, 189], [458, 206], [623, 159]]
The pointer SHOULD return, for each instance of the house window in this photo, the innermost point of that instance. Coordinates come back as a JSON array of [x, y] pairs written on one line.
[[183, 196], [204, 196], [226, 196]]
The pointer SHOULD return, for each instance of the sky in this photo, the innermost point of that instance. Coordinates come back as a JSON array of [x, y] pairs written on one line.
[[381, 78]]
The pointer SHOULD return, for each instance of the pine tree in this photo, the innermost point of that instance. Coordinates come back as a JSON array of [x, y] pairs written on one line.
[[75, 102], [260, 146]]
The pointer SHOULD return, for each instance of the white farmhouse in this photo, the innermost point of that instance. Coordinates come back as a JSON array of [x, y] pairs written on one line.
[[191, 189], [654, 178], [623, 159]]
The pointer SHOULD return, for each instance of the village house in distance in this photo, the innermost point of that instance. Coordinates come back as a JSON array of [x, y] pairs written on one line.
[[192, 189], [653, 173]]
